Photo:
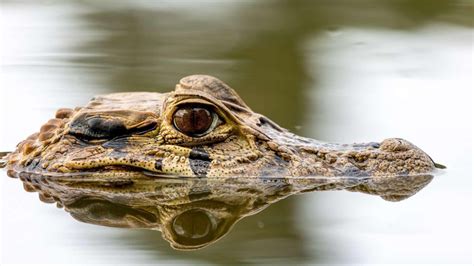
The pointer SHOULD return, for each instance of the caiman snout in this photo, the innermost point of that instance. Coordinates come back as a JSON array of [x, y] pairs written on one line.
[[399, 156], [396, 145], [399, 145]]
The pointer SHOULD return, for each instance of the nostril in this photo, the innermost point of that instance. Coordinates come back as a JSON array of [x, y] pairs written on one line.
[[374, 145], [395, 145]]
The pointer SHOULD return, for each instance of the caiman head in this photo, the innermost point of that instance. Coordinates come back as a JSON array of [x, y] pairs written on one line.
[[201, 129]]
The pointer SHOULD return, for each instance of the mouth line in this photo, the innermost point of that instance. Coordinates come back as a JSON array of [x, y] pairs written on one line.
[[117, 170], [106, 170]]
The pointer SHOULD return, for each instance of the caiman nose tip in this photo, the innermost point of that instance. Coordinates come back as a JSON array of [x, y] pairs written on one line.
[[401, 145], [395, 145]]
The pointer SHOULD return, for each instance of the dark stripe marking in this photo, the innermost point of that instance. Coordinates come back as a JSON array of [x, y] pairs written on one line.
[[199, 161], [159, 165], [198, 153]]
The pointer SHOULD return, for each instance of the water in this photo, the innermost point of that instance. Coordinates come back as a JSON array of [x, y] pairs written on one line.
[[348, 72], [192, 213]]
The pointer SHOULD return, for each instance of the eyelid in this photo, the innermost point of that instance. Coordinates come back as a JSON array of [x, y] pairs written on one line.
[[199, 102], [224, 110]]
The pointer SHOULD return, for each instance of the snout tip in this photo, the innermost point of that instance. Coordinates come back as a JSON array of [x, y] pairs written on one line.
[[396, 145]]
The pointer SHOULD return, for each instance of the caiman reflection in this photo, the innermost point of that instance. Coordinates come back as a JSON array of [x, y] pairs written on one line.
[[193, 213]]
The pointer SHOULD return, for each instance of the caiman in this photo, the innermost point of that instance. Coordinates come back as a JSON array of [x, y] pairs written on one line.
[[201, 129], [192, 162]]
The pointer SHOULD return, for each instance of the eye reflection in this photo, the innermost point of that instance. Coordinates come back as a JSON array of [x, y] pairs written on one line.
[[194, 225], [194, 121]]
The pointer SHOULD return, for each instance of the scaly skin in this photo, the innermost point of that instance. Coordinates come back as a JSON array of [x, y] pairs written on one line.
[[243, 144]]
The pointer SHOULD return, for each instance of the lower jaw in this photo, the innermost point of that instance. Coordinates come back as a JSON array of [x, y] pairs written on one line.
[[106, 171]]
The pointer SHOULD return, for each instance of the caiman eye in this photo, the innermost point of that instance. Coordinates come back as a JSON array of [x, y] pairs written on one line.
[[195, 121]]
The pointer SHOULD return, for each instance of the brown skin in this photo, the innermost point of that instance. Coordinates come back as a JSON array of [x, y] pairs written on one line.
[[130, 132]]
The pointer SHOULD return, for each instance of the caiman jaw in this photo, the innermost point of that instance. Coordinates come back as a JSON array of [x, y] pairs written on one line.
[[167, 159], [390, 157]]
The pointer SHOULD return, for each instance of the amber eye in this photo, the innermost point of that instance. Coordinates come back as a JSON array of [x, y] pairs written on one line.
[[194, 121]]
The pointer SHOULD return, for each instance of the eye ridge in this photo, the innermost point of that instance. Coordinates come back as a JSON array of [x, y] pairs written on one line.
[[194, 120]]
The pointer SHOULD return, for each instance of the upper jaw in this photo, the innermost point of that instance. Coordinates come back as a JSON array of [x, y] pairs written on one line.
[[391, 157]]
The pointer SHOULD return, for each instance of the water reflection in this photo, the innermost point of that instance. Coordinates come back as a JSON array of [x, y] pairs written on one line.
[[193, 213]]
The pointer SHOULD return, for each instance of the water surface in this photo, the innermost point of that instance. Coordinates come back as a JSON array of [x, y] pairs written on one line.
[[347, 72]]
